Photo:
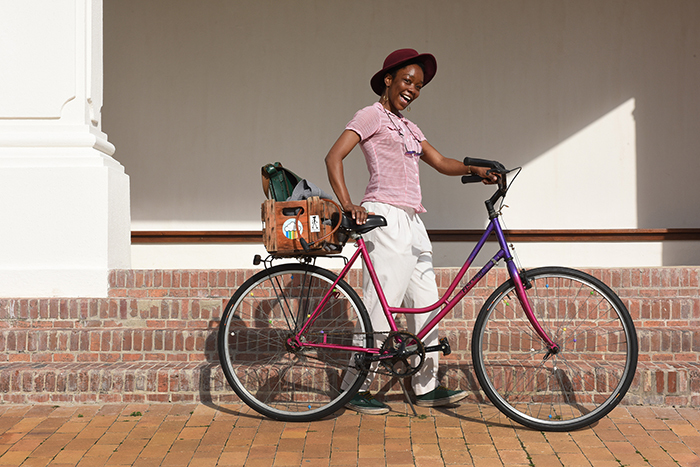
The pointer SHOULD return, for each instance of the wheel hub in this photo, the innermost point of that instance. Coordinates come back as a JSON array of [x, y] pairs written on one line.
[[291, 344]]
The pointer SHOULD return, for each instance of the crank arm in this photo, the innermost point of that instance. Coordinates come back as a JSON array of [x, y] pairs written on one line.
[[377, 357], [443, 346]]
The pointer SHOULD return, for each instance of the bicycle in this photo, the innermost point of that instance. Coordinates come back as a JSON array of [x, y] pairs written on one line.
[[553, 348]]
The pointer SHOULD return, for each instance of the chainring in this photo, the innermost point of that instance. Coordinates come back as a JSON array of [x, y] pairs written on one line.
[[402, 354]]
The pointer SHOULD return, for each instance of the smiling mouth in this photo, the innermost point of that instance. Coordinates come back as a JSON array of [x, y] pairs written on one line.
[[406, 98]]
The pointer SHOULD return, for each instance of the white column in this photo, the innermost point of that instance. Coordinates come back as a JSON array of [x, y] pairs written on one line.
[[64, 201]]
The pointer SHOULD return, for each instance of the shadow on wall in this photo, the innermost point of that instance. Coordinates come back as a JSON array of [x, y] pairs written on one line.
[[199, 95]]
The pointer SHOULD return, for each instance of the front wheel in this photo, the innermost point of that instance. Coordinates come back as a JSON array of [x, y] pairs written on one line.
[[581, 383], [267, 370]]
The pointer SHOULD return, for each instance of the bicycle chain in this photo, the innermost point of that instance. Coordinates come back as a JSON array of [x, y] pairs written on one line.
[[382, 369], [389, 366]]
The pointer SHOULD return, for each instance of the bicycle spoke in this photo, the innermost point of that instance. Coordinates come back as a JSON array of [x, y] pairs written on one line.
[[259, 350], [581, 382], [528, 330], [280, 294]]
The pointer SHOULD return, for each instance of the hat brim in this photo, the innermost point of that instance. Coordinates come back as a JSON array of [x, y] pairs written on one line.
[[429, 70]]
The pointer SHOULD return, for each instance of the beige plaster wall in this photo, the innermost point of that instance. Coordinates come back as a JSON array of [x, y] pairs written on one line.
[[597, 100]]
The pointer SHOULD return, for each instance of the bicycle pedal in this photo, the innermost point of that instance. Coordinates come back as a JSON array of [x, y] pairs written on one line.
[[446, 350], [443, 346]]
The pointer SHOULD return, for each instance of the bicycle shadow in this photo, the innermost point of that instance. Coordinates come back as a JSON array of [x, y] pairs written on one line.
[[212, 379], [453, 374], [482, 411]]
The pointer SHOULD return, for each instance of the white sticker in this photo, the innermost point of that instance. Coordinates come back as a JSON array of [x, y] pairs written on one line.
[[292, 232], [314, 224]]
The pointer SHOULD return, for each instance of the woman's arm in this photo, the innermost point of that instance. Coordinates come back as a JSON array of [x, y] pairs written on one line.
[[334, 166], [448, 166]]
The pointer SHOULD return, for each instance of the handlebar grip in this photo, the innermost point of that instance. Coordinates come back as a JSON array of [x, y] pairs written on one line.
[[495, 165], [471, 178]]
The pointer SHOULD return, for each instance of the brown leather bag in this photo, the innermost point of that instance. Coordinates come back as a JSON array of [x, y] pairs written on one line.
[[302, 228]]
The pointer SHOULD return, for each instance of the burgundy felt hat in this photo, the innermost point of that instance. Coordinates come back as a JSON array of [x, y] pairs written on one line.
[[398, 58]]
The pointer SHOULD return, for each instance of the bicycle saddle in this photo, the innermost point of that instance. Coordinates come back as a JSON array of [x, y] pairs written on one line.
[[373, 221]]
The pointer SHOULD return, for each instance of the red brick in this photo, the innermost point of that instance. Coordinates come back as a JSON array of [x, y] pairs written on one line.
[[659, 375], [137, 293], [672, 382], [132, 357], [167, 279], [42, 357], [24, 357], [110, 357], [157, 293], [63, 357]]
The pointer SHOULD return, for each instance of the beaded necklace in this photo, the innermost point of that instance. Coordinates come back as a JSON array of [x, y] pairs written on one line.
[[403, 138]]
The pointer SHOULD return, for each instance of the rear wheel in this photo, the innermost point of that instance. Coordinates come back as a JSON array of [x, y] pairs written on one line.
[[573, 388], [284, 381]]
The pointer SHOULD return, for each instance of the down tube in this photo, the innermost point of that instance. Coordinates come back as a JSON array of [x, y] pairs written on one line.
[[448, 305]]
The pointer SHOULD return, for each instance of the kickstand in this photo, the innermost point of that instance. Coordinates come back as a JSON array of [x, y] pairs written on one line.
[[405, 393]]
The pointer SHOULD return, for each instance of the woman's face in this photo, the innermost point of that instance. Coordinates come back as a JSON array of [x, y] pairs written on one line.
[[404, 88]]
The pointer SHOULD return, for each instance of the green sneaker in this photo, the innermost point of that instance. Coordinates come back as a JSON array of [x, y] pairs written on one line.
[[365, 403], [440, 396]]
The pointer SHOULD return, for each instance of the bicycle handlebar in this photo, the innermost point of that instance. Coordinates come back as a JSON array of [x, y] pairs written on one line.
[[495, 166]]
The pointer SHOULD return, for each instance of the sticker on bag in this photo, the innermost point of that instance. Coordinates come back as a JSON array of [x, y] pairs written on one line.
[[314, 223], [292, 232]]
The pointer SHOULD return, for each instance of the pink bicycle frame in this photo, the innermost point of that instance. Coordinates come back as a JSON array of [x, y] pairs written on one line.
[[445, 302]]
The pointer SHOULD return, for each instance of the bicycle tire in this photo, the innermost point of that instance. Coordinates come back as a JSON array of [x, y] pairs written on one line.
[[274, 379], [573, 388]]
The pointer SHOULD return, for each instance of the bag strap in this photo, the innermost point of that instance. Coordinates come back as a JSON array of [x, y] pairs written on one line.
[[266, 180], [278, 182], [306, 245]]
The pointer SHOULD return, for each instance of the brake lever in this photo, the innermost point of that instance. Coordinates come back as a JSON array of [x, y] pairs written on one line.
[[501, 175]]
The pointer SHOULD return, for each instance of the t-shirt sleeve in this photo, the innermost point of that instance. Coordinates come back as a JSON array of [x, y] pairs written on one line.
[[365, 123]]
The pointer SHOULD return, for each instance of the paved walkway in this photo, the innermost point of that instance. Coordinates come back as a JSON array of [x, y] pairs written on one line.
[[207, 435]]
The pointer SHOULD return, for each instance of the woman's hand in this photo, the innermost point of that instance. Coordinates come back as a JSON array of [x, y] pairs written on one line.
[[483, 172], [448, 166], [358, 213]]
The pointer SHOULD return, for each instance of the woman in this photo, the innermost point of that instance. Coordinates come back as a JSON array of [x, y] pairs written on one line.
[[401, 252]]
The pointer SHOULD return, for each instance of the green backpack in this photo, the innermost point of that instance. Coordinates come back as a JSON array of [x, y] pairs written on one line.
[[278, 182]]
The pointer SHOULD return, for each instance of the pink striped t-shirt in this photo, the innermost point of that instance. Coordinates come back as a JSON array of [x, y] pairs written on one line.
[[392, 148]]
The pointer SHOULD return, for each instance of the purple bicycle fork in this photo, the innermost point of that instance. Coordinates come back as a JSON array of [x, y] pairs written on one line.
[[445, 302]]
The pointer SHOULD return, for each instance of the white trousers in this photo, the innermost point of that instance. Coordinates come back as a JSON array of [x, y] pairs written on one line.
[[403, 259]]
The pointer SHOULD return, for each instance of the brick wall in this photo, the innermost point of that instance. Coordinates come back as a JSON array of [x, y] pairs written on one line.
[[154, 338]]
